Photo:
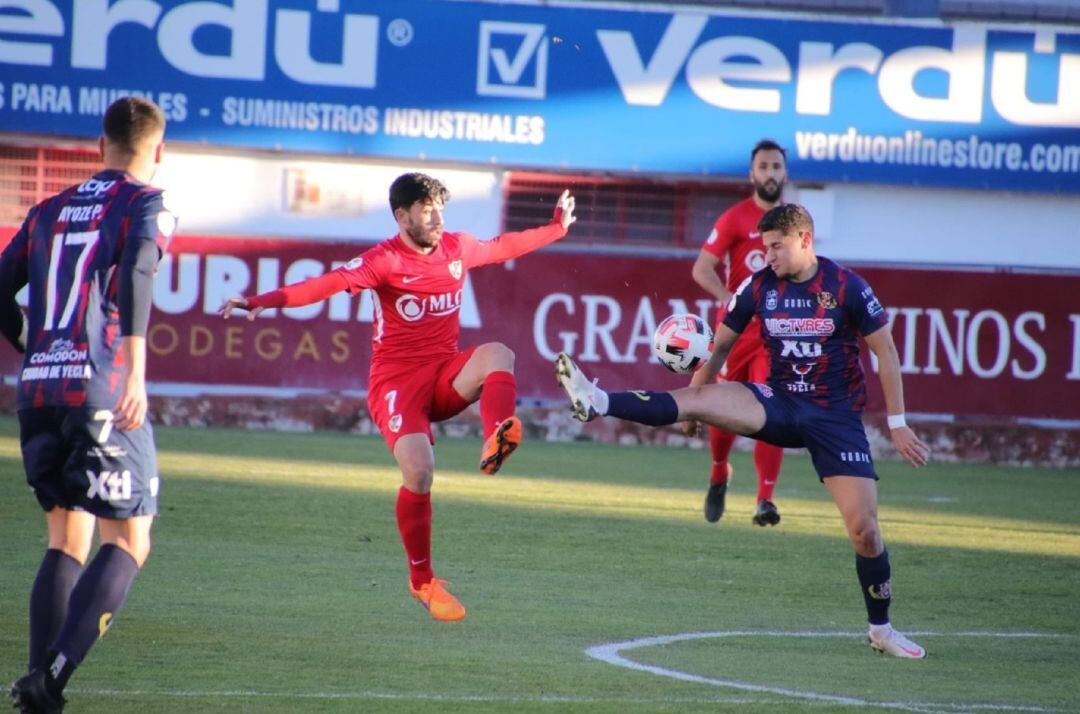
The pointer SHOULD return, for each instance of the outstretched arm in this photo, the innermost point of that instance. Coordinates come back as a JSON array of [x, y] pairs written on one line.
[[296, 295], [512, 245], [907, 444]]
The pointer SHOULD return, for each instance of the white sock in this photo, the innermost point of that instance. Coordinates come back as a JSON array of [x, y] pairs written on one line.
[[600, 397], [880, 630]]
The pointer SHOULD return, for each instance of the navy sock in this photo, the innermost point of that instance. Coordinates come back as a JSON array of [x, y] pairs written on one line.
[[49, 602], [874, 574], [97, 597], [651, 408]]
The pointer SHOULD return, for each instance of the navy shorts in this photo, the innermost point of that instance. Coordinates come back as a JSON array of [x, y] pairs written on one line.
[[79, 462], [835, 438]]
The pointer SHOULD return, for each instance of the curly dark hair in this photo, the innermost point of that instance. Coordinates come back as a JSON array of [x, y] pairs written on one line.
[[786, 218], [409, 188]]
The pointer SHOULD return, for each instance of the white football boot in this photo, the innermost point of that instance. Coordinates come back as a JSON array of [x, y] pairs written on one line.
[[582, 392], [883, 638]]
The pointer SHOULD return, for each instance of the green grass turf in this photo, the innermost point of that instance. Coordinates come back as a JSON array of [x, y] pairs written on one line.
[[277, 584]]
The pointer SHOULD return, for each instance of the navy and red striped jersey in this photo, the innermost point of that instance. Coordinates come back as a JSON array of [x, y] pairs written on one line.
[[75, 250], [811, 330]]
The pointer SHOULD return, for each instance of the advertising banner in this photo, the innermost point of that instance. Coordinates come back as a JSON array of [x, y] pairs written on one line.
[[562, 87], [970, 343]]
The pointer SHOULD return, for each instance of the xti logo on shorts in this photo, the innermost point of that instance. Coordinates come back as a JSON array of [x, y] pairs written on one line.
[[111, 486]]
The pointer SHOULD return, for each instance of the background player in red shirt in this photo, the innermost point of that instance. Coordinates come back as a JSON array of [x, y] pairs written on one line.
[[418, 375], [734, 247], [88, 256]]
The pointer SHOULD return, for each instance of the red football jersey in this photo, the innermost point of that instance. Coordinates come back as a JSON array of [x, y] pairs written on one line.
[[735, 240], [418, 296]]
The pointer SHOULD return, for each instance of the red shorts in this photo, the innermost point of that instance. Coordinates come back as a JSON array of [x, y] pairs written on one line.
[[747, 362], [407, 399]]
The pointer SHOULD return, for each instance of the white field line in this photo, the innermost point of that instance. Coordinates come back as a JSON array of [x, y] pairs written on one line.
[[610, 653], [415, 696]]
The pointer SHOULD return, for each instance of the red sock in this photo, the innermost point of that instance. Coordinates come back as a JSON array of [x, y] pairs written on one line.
[[498, 397], [721, 442], [767, 460], [414, 524]]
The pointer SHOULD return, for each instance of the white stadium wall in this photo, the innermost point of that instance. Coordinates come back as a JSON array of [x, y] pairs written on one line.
[[311, 197], [896, 224]]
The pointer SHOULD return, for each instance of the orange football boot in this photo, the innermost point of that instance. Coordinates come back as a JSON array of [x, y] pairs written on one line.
[[438, 600], [500, 445]]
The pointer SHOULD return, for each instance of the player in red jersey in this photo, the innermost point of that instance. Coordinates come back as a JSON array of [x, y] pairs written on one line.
[[735, 247], [418, 375]]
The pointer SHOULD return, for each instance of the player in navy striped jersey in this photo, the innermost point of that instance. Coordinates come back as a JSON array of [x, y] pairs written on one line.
[[811, 312], [88, 255]]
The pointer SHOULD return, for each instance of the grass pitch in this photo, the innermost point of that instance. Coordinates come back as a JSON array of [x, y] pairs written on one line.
[[277, 584]]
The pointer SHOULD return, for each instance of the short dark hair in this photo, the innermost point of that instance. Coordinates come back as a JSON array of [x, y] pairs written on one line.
[[767, 145], [409, 188], [129, 121], [786, 218]]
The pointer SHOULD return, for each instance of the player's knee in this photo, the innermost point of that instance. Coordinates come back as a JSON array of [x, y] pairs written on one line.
[[866, 537], [498, 357], [417, 474], [418, 480]]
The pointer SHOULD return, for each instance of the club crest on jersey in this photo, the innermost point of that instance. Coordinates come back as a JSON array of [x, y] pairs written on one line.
[[826, 300], [770, 300], [455, 269]]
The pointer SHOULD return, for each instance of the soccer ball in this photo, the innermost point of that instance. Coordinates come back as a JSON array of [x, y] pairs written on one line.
[[682, 342]]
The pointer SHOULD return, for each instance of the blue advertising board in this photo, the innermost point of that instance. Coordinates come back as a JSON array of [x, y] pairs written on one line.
[[562, 87]]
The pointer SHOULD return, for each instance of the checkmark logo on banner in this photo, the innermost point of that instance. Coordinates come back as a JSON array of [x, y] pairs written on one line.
[[497, 43]]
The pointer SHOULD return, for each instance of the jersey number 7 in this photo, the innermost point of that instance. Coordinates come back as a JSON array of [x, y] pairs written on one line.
[[87, 240]]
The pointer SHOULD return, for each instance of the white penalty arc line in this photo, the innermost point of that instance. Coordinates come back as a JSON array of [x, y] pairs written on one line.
[[610, 653]]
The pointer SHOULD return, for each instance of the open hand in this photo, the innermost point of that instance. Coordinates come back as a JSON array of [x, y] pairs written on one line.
[[130, 410], [911, 447], [564, 210], [239, 303]]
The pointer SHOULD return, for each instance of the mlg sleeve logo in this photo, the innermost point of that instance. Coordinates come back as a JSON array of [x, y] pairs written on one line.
[[507, 51]]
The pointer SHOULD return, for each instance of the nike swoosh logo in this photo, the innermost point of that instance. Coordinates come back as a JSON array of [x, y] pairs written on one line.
[[412, 279], [641, 395], [417, 562]]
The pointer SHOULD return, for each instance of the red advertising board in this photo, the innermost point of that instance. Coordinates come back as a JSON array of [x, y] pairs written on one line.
[[971, 343]]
